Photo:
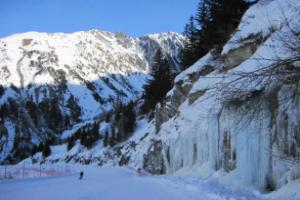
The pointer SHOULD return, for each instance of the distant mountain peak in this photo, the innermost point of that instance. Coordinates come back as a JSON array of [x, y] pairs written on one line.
[[76, 76]]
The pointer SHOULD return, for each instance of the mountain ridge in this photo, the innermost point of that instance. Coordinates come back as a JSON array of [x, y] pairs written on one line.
[[74, 77]]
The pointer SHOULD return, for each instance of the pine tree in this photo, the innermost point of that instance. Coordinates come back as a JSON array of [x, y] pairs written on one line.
[[218, 19], [119, 134], [215, 21], [56, 118], [33, 111], [187, 54], [204, 20], [16, 146], [83, 137], [94, 135], [106, 139], [89, 135], [46, 150], [157, 87], [71, 143], [130, 119], [2, 90], [34, 150], [4, 110], [112, 138], [75, 110], [40, 147]]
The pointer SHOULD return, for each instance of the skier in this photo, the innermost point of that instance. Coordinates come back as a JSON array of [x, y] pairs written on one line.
[[138, 171], [81, 175]]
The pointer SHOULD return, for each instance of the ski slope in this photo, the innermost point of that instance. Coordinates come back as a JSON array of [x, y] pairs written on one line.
[[113, 183]]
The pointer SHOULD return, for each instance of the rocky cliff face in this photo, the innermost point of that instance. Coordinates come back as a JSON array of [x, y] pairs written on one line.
[[236, 112], [50, 83]]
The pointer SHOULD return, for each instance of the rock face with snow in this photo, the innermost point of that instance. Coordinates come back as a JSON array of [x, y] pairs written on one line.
[[237, 112], [51, 82]]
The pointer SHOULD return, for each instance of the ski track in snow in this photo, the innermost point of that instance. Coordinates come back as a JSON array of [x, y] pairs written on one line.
[[112, 183], [213, 189]]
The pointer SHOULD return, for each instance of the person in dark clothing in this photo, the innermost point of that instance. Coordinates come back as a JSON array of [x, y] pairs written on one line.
[[81, 175], [139, 171]]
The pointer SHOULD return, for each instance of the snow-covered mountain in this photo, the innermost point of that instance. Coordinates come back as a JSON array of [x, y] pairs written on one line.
[[232, 116], [52, 81]]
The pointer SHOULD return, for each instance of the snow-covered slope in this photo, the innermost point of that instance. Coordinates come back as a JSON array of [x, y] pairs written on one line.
[[113, 63], [113, 183], [52, 81]]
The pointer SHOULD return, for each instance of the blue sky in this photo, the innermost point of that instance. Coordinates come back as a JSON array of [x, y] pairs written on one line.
[[133, 17]]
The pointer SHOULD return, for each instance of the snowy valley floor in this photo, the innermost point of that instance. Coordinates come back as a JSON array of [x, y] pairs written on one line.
[[114, 183]]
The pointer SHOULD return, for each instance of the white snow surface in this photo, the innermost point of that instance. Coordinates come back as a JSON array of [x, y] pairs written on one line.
[[262, 19], [111, 183]]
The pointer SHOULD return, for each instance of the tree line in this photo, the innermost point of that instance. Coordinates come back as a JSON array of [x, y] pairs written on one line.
[[211, 27], [122, 123]]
